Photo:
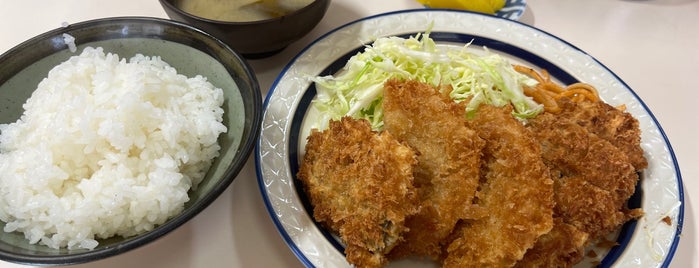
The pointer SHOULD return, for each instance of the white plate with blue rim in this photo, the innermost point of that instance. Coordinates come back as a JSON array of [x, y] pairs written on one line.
[[650, 241]]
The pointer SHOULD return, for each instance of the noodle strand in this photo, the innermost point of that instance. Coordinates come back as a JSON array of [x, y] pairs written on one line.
[[547, 92]]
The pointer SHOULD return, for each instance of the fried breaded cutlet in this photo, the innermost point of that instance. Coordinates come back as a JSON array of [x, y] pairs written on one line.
[[593, 181], [447, 173], [360, 184], [619, 128], [516, 189]]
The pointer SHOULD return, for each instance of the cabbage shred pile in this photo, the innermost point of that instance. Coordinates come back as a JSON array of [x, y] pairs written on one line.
[[357, 90]]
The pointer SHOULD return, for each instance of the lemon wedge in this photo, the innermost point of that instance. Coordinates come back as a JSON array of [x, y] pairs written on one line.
[[483, 6]]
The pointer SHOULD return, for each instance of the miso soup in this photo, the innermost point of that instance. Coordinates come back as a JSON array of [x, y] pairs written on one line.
[[241, 10]]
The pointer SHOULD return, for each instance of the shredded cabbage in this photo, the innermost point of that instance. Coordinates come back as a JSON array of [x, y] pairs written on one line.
[[357, 90]]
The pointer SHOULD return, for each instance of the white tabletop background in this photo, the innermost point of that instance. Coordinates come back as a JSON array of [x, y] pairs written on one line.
[[653, 45]]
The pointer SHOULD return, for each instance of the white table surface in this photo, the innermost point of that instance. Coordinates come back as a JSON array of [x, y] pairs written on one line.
[[653, 45]]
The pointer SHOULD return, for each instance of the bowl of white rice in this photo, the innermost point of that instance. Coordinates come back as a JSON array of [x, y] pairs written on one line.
[[114, 132]]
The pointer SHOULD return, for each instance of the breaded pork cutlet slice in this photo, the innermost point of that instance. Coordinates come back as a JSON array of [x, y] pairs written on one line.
[[594, 179], [619, 128], [516, 190], [448, 162], [360, 184]]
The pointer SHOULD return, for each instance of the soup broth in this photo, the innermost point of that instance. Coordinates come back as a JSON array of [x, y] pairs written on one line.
[[241, 10]]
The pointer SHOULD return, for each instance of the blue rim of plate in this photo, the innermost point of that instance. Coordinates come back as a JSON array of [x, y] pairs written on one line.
[[297, 113]]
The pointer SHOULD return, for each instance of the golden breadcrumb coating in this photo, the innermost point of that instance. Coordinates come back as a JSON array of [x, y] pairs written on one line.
[[448, 161], [594, 178], [360, 184], [619, 128], [516, 189], [593, 181], [564, 246]]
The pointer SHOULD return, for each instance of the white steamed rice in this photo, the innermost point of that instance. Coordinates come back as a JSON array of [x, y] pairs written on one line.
[[106, 147]]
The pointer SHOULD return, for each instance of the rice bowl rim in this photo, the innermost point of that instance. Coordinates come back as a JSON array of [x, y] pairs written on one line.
[[198, 40]]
